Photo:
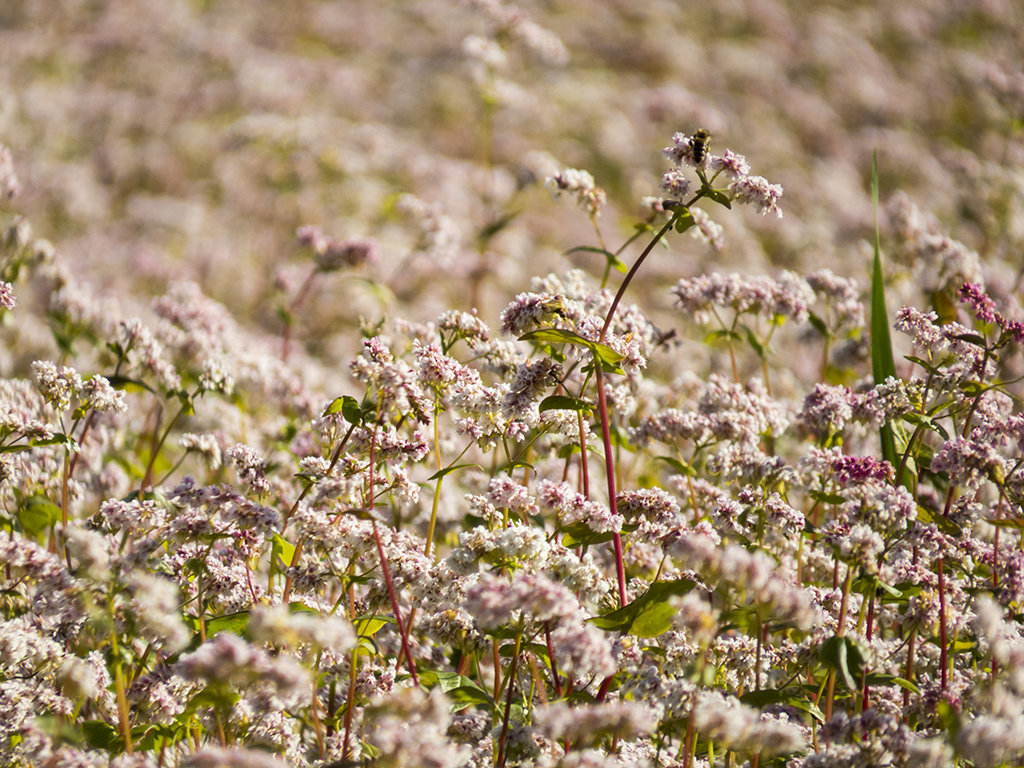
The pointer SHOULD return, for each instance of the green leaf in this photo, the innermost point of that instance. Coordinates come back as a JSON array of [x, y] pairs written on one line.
[[826, 498], [877, 678], [579, 534], [235, 623], [684, 220], [920, 419], [371, 624], [348, 407], [844, 655], [793, 697], [720, 334], [882, 363], [720, 197], [819, 325], [565, 403], [755, 343], [448, 470], [941, 522], [608, 356], [36, 514], [59, 439], [612, 258], [650, 614], [282, 548], [129, 385], [678, 466], [461, 689]]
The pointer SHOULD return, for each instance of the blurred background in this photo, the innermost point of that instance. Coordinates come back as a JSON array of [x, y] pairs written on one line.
[[159, 141]]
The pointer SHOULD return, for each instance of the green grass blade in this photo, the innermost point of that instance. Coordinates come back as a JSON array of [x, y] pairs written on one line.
[[882, 363]]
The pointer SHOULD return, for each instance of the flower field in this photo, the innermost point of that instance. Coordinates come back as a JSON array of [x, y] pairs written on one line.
[[552, 384]]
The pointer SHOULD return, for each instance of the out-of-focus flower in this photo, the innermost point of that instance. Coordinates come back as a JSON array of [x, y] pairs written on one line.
[[580, 184]]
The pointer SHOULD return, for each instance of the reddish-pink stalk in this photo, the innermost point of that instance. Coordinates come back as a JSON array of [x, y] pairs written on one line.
[[602, 406], [385, 570], [551, 658]]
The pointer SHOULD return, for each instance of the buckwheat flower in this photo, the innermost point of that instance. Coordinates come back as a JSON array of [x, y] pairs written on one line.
[[505, 493], [580, 184], [9, 186], [858, 543], [7, 299], [757, 190], [782, 514], [742, 728], [282, 627], [681, 150], [145, 350], [440, 237], [1004, 641], [496, 602], [984, 308], [207, 445], [842, 296], [228, 660], [670, 425], [156, 607], [586, 725], [79, 679], [98, 395], [57, 385], [409, 729], [707, 229], [215, 377], [790, 295], [541, 42], [312, 237], [251, 467], [349, 253], [695, 617], [397, 382], [436, 368], [485, 51], [734, 165], [533, 378], [464, 325], [653, 504], [211, 756], [968, 461], [930, 753], [676, 183], [826, 410], [989, 741], [572, 507], [583, 651], [391, 445], [922, 327], [90, 550]]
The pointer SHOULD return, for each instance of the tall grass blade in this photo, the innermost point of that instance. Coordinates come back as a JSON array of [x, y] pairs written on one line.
[[882, 364]]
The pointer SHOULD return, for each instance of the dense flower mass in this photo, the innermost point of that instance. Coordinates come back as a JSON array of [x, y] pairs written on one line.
[[328, 439]]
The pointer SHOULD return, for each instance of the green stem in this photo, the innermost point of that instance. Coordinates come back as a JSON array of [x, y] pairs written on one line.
[[502, 742]]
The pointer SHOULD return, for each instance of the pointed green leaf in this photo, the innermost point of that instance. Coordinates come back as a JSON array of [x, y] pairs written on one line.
[[602, 352], [650, 614], [36, 514], [565, 403], [448, 470], [882, 363], [720, 197], [844, 655]]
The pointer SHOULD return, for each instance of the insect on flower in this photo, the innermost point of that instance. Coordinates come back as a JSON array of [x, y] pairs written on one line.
[[699, 144]]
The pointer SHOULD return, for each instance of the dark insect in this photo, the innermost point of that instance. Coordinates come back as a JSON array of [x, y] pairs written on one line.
[[699, 144]]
